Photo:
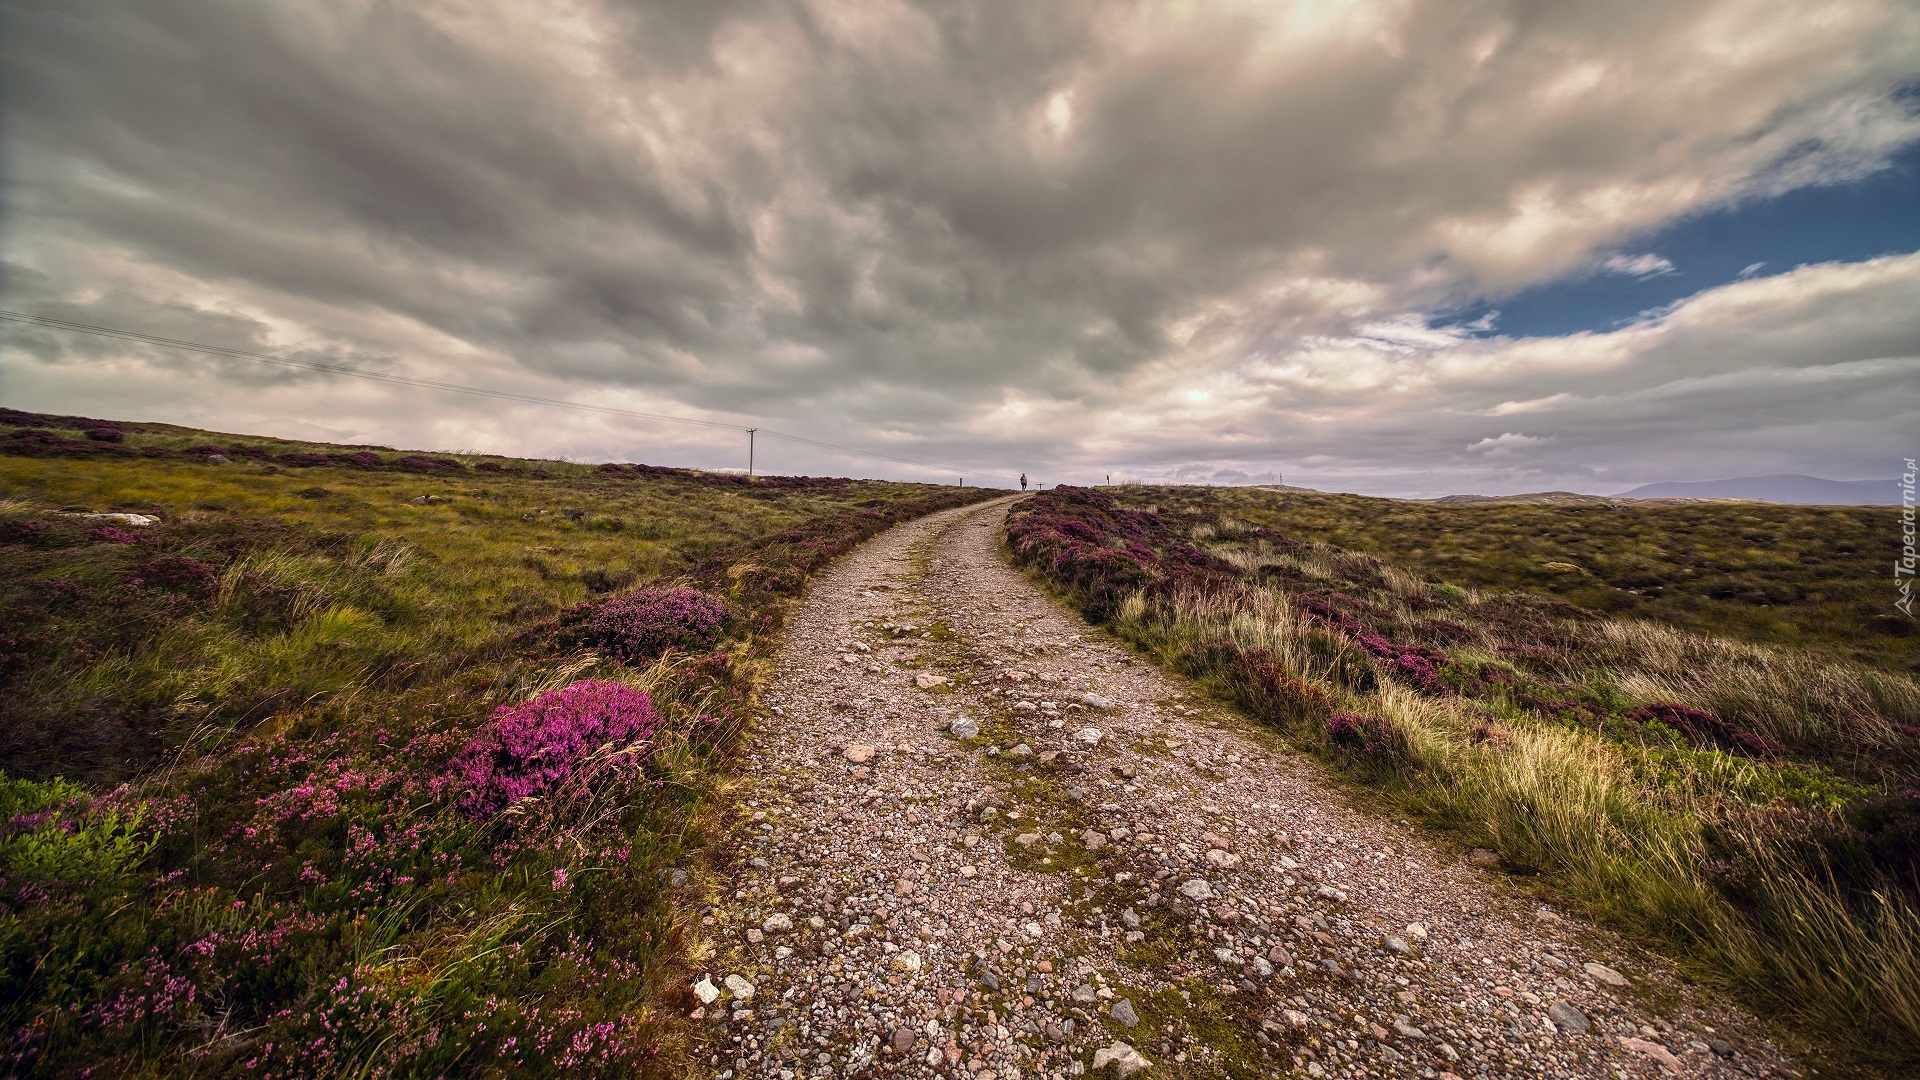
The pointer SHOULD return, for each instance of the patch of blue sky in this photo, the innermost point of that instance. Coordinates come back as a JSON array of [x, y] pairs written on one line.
[[1878, 214]]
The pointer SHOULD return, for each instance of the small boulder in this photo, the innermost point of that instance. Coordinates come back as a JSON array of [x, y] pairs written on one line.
[[777, 923], [963, 728], [1121, 1012], [1090, 736], [903, 1039], [1123, 1057], [739, 987], [706, 991], [1196, 889], [1602, 973], [926, 680], [858, 753], [1569, 1020]]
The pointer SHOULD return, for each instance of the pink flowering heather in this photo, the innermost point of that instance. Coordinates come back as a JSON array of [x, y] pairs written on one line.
[[531, 749], [642, 624]]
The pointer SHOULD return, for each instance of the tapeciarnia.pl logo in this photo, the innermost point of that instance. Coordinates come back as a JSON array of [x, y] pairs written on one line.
[[1903, 566]]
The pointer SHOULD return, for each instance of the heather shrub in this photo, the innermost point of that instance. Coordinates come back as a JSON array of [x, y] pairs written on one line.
[[1703, 727], [1372, 738], [642, 624], [1271, 692], [178, 573], [533, 749]]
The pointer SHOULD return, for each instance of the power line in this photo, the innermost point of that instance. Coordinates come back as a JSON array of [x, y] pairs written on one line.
[[457, 388]]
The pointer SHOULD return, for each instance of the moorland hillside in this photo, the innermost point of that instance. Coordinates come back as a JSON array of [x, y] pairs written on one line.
[[1755, 808], [322, 760]]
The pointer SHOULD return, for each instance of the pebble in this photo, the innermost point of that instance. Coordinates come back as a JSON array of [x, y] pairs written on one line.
[[1602, 973]]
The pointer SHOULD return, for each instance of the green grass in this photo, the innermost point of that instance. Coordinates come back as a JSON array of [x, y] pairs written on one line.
[[1767, 834], [1809, 576], [229, 842]]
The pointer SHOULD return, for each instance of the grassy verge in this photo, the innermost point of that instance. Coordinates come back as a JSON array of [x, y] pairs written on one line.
[[1755, 808], [232, 837], [1807, 576]]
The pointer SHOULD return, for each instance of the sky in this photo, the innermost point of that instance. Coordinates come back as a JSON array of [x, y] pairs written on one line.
[[1404, 248]]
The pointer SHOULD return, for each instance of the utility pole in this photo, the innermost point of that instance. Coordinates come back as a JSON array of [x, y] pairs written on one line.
[[750, 432]]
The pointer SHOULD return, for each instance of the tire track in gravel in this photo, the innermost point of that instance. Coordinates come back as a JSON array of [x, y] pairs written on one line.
[[1112, 876]]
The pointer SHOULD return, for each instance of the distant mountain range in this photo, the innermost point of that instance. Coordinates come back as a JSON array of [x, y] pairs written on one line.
[[1531, 498], [1804, 490], [1777, 489]]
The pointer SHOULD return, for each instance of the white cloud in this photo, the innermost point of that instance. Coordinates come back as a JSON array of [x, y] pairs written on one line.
[[1641, 266], [1507, 443]]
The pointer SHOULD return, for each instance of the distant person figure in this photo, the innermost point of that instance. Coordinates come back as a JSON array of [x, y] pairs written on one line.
[[1023, 481]]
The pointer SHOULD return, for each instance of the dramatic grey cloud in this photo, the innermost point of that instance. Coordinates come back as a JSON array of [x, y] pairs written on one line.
[[1075, 238]]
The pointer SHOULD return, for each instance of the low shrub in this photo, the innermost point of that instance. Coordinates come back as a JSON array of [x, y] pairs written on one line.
[[645, 623], [1373, 738], [534, 749]]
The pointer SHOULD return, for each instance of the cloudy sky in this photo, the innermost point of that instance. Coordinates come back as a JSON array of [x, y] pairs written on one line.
[[1399, 247]]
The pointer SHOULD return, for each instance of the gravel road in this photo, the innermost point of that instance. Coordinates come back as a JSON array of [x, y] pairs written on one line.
[[978, 838]]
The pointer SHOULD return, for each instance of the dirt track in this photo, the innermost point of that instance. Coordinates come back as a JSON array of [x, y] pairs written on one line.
[[911, 903]]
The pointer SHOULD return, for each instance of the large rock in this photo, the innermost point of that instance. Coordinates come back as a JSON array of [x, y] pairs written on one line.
[[1090, 736], [706, 991], [964, 728], [739, 987], [859, 753], [777, 923], [1196, 889], [1122, 1013], [927, 680]]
